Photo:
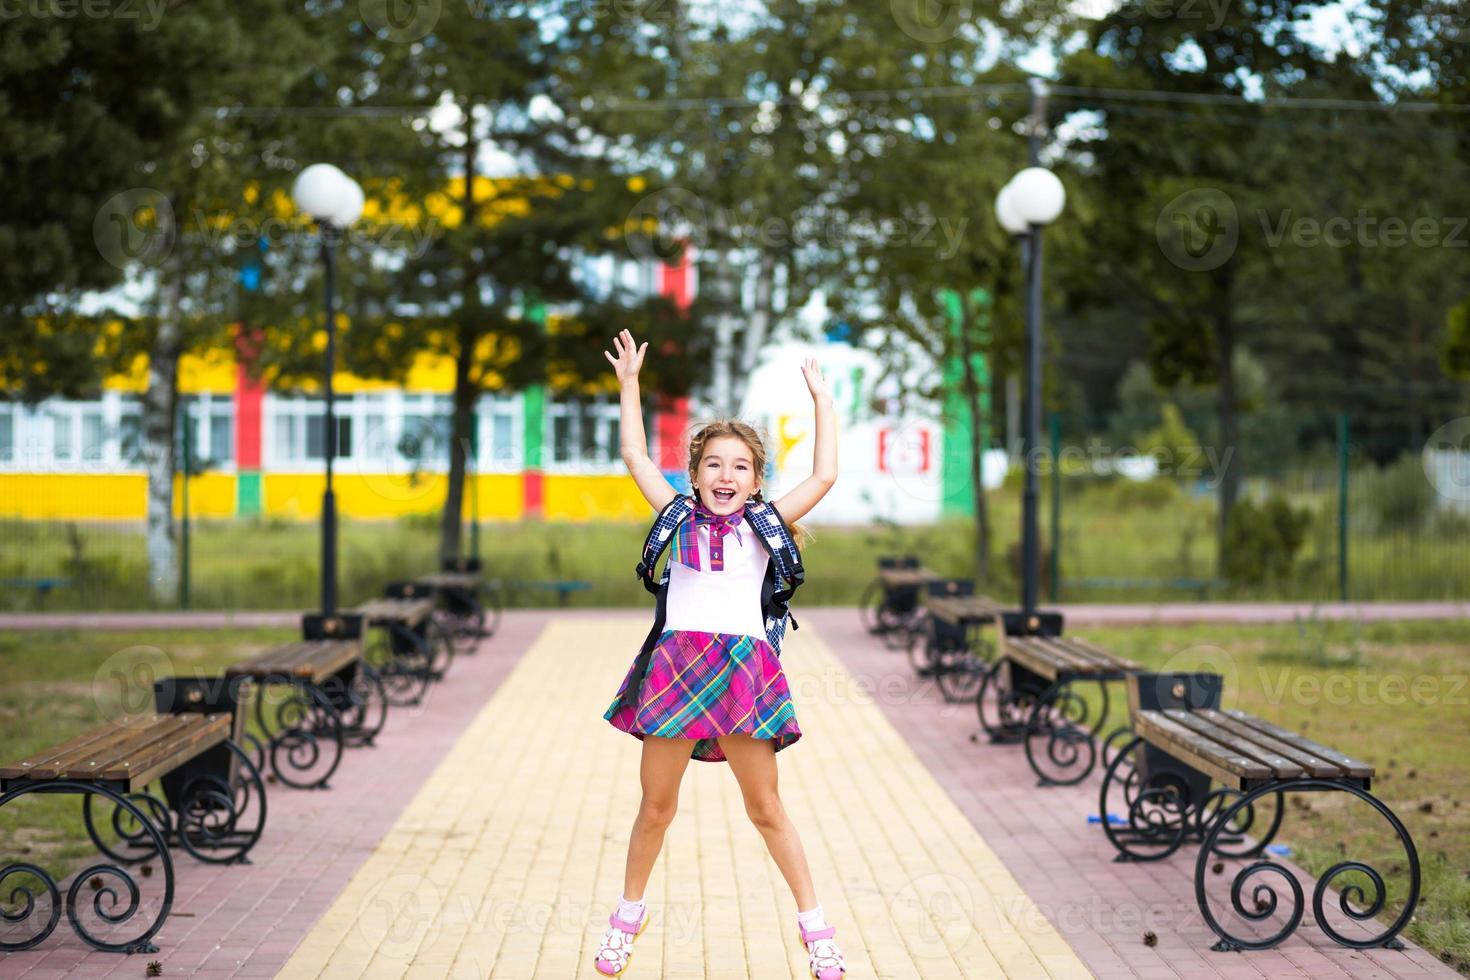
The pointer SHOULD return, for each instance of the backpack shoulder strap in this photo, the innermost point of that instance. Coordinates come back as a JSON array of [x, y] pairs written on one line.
[[778, 540], [659, 537]]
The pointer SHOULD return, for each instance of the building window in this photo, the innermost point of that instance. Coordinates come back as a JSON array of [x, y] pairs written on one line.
[[584, 434], [499, 427], [298, 429], [425, 432], [209, 421], [7, 434]]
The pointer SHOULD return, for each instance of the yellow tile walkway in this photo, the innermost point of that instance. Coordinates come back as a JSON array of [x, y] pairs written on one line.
[[507, 861]]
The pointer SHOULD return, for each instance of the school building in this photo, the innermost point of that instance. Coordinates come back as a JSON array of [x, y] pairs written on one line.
[[260, 452]]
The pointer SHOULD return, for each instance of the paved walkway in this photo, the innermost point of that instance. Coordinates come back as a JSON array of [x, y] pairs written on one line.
[[1078, 614], [1065, 863], [485, 837]]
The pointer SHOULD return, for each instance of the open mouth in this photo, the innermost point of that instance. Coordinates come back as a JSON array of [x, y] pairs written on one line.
[[724, 496]]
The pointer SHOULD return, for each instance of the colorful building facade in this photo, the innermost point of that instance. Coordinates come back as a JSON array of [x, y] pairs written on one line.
[[256, 452]]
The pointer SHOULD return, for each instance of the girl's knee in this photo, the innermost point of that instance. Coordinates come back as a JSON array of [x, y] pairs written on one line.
[[657, 813], [765, 810]]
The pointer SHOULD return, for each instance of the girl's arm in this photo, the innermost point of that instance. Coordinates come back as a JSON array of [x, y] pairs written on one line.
[[801, 498], [633, 443]]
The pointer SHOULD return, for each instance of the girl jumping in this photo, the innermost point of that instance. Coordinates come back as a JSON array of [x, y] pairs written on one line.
[[707, 683]]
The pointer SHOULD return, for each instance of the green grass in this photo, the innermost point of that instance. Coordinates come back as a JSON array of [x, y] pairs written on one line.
[[55, 685], [1394, 694], [1152, 536]]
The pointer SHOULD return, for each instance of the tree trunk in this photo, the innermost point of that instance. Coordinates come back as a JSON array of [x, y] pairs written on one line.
[[759, 327], [1230, 465], [721, 381], [159, 409], [462, 414], [977, 470], [462, 421]]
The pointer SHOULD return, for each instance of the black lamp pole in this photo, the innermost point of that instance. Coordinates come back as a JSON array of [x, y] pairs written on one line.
[[1031, 250], [329, 501]]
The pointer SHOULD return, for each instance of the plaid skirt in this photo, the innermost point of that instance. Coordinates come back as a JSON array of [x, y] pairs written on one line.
[[702, 685]]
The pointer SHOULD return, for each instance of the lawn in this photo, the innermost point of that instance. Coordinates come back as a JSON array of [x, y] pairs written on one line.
[[1119, 542]]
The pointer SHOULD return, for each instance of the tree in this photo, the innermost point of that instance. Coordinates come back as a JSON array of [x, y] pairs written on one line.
[[144, 148]]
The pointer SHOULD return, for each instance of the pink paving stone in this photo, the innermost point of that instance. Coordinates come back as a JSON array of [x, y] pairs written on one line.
[[314, 841], [1063, 862]]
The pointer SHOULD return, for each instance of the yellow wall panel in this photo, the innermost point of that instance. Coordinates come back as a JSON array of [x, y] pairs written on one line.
[[210, 495], [73, 496], [583, 498], [383, 495]]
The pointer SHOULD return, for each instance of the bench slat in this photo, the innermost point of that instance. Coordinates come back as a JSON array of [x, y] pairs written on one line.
[[1209, 757], [1080, 662], [954, 609], [1030, 654], [167, 755], [139, 741], [1355, 768], [899, 577], [408, 611], [450, 580], [1313, 764], [1111, 662], [47, 763], [310, 659], [1281, 767]]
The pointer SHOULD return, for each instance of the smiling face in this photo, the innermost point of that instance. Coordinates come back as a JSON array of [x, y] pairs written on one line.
[[725, 477]]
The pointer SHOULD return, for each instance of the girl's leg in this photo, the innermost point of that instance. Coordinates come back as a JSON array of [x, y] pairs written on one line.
[[662, 767], [753, 760]]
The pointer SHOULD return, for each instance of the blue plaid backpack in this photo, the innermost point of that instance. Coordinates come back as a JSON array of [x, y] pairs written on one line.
[[784, 574]]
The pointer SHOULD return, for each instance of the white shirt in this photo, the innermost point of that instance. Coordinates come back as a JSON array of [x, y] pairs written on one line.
[[727, 601]]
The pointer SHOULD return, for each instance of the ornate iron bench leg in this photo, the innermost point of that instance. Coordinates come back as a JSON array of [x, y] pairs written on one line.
[[396, 655], [1356, 902], [1071, 751], [1157, 806], [302, 721], [1005, 700], [103, 879]]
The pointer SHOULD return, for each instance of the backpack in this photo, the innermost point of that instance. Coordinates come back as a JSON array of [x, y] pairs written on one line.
[[784, 574]]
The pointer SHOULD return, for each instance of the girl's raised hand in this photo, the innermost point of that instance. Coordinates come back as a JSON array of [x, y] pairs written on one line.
[[629, 359], [815, 383]]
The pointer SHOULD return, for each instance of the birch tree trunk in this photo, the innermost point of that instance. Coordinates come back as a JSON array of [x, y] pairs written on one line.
[[159, 408]]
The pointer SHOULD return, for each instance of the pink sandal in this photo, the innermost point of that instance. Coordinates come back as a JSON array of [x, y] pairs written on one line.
[[826, 959], [617, 944]]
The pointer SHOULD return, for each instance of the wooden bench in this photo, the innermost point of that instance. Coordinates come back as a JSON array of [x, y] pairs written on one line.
[[891, 603], [1167, 778], [417, 651], [1029, 698], [950, 642], [312, 698], [209, 792], [461, 610]]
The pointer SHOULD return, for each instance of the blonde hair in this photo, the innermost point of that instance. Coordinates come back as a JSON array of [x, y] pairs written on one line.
[[734, 428]]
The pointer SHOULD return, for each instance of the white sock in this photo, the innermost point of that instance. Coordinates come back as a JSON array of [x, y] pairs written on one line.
[[630, 911], [812, 919]]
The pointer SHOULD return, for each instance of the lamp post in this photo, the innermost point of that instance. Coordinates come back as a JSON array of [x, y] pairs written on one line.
[[1032, 200], [334, 201]]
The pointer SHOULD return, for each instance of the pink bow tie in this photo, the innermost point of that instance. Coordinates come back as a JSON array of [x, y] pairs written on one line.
[[718, 526]]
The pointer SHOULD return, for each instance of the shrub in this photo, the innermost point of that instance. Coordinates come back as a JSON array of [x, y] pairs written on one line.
[[1262, 540], [1399, 496]]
